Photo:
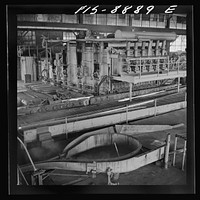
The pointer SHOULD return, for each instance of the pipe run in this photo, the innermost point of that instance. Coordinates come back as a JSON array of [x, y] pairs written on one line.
[[146, 35]]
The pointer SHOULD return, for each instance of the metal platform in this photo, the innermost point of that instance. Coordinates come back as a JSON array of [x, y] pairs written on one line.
[[139, 78]]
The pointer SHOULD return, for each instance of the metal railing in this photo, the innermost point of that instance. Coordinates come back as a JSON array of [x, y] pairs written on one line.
[[139, 66], [183, 150]]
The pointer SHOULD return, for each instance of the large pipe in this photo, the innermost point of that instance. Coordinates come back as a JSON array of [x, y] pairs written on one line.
[[145, 35], [124, 34]]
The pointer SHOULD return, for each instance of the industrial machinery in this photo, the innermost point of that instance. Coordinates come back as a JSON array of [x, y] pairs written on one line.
[[85, 71], [90, 64]]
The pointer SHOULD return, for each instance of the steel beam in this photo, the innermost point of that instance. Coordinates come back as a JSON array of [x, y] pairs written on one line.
[[52, 26]]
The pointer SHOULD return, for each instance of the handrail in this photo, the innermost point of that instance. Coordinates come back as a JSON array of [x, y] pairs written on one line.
[[34, 168], [166, 65]]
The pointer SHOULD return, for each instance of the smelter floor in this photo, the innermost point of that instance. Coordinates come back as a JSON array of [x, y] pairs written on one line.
[[152, 174]]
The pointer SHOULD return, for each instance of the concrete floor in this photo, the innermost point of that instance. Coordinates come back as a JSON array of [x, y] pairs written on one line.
[[147, 175], [152, 174]]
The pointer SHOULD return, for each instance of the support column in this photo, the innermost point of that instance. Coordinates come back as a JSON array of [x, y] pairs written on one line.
[[66, 131], [126, 114], [167, 46], [92, 60], [131, 87], [167, 151], [120, 65], [89, 62], [136, 49], [163, 47], [158, 64], [128, 44], [143, 48], [184, 154], [64, 67], [101, 59], [73, 64], [168, 65], [37, 177], [150, 48], [83, 65], [68, 63], [178, 86], [47, 64], [58, 68], [174, 156], [109, 68], [155, 107], [140, 68], [157, 47]]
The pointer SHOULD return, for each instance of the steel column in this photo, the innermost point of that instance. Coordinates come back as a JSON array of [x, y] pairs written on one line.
[[178, 86], [131, 87], [184, 154], [174, 156], [166, 159]]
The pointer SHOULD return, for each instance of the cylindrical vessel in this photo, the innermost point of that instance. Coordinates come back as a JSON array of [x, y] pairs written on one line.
[[73, 63], [145, 35], [124, 34]]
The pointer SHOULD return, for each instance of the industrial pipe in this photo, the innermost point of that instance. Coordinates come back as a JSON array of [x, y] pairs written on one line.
[[124, 34], [145, 35]]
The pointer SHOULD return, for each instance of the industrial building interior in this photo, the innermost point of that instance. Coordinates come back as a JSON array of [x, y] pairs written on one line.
[[101, 99]]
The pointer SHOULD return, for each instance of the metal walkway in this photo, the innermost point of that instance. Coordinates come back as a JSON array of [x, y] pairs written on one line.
[[149, 77]]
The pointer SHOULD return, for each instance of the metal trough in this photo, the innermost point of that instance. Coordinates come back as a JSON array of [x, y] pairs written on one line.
[[121, 164], [85, 143]]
